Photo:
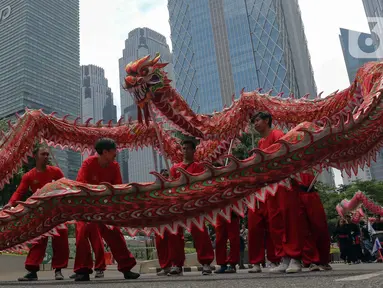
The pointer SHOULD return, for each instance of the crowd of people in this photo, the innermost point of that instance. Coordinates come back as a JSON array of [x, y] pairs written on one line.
[[359, 243], [291, 225]]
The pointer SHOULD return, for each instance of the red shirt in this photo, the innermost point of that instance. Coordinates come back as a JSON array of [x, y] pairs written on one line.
[[273, 137], [35, 179], [307, 178], [194, 167], [91, 172]]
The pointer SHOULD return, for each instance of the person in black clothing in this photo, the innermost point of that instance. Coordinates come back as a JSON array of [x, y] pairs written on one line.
[[366, 242], [343, 234], [356, 248], [378, 227], [378, 224]]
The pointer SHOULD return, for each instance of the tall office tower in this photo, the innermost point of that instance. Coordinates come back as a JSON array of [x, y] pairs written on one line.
[[353, 63], [96, 97], [374, 13], [222, 46], [39, 60], [351, 51], [136, 165]]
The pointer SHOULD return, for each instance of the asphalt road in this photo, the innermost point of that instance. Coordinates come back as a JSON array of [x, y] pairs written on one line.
[[362, 275]]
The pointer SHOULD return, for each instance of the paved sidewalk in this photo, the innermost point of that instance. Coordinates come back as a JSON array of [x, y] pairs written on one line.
[[353, 276]]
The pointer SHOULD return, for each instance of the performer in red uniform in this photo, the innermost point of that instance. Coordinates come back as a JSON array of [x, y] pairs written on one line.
[[162, 245], [310, 253], [202, 242], [98, 248], [260, 238], [282, 209], [317, 245], [227, 231], [94, 170], [35, 179]]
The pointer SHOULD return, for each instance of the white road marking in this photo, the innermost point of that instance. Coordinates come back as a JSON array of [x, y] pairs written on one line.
[[360, 277]]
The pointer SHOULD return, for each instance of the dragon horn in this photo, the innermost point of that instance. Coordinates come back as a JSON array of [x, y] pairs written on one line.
[[156, 58]]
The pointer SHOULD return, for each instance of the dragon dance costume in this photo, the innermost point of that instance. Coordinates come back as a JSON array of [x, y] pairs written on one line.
[[342, 131]]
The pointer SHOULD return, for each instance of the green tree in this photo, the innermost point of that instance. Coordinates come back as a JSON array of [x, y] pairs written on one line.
[[249, 141], [331, 198]]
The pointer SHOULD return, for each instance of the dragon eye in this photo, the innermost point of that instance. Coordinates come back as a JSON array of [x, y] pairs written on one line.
[[145, 71]]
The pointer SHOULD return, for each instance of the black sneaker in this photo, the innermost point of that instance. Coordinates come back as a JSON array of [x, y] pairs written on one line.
[[231, 269], [82, 277], [73, 276], [31, 276], [131, 275], [221, 270], [58, 275]]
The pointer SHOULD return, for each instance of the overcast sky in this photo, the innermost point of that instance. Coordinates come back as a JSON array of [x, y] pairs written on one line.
[[104, 28]]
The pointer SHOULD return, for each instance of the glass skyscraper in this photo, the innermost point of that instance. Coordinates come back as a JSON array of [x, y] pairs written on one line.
[[222, 46], [96, 97], [39, 62], [136, 165], [352, 63]]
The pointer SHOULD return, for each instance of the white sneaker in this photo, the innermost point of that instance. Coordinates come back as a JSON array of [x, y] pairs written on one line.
[[164, 272], [313, 267], [256, 269], [294, 266], [282, 267], [326, 267], [206, 269], [272, 265], [175, 271]]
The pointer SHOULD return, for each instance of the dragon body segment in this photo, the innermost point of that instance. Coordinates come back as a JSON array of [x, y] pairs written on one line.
[[35, 125], [227, 124]]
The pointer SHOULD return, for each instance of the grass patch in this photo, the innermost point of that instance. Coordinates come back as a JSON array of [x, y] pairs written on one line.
[[189, 250]]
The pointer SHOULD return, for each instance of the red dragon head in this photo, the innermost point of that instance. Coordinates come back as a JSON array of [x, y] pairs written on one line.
[[144, 78]]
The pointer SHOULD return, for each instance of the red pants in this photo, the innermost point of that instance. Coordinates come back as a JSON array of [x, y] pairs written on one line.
[[97, 245], [171, 249], [176, 252], [60, 248], [258, 234], [318, 225], [284, 223], [115, 240], [310, 253], [227, 231]]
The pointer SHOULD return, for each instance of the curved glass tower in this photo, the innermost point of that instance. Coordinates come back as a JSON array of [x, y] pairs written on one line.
[[222, 46]]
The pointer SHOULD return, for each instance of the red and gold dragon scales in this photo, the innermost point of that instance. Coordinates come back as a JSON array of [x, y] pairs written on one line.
[[343, 130]]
